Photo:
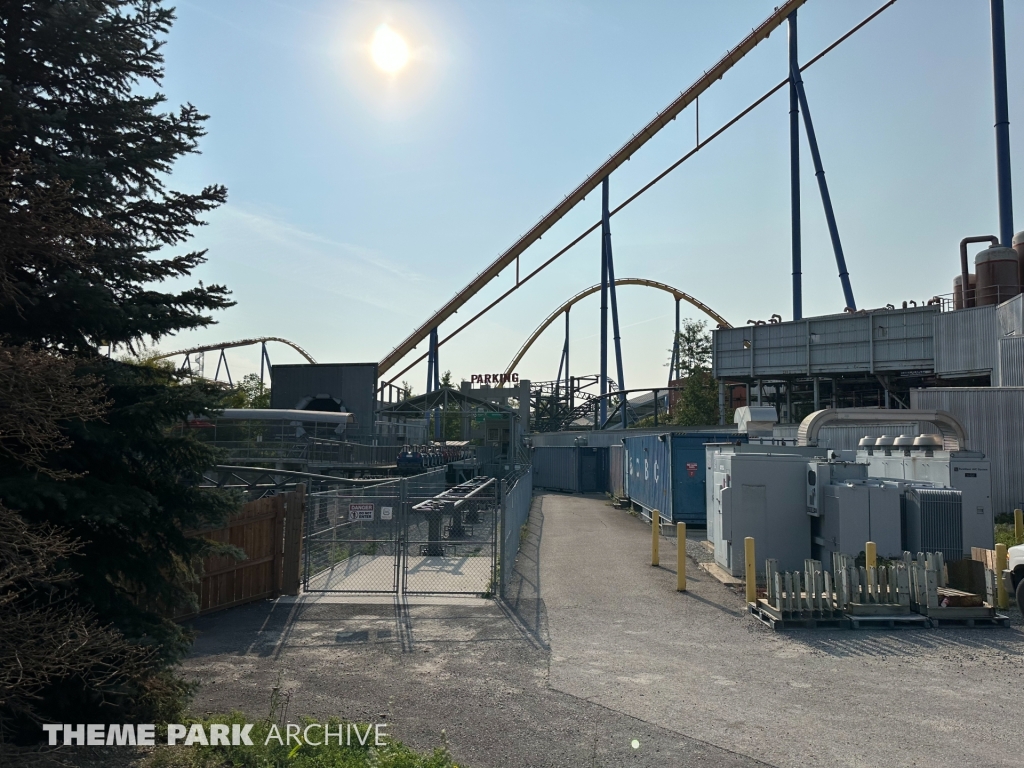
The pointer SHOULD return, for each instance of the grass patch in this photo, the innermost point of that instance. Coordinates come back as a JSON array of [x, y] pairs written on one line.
[[1005, 535], [274, 755]]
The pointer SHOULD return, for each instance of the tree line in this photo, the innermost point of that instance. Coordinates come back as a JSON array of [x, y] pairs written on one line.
[[97, 491]]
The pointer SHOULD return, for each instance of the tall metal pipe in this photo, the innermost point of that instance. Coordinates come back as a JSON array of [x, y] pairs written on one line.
[[794, 172], [826, 200], [1002, 125]]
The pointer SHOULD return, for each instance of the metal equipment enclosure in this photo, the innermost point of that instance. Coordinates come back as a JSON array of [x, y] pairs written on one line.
[[764, 496], [617, 471], [994, 420], [855, 512], [575, 470], [667, 473], [869, 342], [329, 387]]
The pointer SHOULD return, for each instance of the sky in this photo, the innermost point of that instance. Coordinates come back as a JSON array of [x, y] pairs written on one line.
[[360, 201]]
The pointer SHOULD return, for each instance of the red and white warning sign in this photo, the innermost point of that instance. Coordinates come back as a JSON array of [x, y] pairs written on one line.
[[691, 468], [360, 512]]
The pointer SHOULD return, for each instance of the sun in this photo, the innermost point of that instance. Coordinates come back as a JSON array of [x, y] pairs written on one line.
[[389, 49]]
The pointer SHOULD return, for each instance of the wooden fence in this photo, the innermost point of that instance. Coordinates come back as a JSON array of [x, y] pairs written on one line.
[[269, 531]]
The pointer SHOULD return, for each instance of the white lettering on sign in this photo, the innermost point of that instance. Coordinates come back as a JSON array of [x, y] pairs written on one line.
[[360, 512], [494, 378], [385, 513]]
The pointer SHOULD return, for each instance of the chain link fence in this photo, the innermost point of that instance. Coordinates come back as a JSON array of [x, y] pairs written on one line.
[[353, 536], [516, 499], [451, 548]]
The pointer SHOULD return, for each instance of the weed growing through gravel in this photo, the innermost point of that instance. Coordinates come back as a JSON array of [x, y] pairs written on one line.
[[274, 755]]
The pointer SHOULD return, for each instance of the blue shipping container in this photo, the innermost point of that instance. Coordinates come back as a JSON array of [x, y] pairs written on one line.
[[667, 473]]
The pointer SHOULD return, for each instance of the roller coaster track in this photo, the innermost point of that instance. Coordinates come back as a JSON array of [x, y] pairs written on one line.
[[676, 294], [687, 97], [239, 343]]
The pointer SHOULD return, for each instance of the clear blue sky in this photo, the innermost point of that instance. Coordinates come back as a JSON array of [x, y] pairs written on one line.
[[360, 202]]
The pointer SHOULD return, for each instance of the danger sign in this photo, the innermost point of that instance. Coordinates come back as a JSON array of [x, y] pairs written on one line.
[[360, 512], [691, 468]]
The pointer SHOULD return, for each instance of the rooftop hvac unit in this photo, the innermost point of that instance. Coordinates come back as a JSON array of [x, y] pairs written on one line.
[[933, 522]]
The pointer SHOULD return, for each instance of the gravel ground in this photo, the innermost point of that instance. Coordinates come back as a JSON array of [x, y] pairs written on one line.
[[594, 649], [695, 662]]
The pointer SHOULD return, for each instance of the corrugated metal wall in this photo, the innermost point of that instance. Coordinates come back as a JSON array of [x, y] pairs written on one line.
[[616, 469], [602, 438], [966, 342], [1010, 316], [556, 469], [667, 473], [882, 340], [994, 420], [1011, 361], [354, 384], [648, 473]]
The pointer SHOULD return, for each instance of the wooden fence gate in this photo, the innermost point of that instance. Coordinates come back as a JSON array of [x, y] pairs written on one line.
[[269, 531]]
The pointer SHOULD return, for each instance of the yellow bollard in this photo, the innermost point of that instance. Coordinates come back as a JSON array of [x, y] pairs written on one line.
[[655, 523], [748, 556], [1018, 526], [680, 557], [1003, 599], [870, 555]]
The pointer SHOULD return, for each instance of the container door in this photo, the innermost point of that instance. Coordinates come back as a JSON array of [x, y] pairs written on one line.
[[689, 497], [588, 470]]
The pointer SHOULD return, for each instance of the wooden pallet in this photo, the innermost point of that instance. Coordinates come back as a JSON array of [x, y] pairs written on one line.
[[786, 623], [906, 621], [999, 620]]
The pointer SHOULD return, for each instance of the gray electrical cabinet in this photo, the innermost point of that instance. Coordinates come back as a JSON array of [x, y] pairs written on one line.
[[933, 521], [822, 473], [966, 471], [854, 512], [762, 496]]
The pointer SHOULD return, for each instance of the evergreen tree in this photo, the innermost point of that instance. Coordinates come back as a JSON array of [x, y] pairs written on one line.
[[88, 231], [697, 403]]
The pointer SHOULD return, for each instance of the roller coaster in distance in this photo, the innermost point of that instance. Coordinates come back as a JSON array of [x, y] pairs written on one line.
[[192, 352], [565, 389], [799, 108]]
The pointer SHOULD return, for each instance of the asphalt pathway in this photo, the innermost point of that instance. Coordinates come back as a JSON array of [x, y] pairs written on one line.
[[696, 663], [595, 652]]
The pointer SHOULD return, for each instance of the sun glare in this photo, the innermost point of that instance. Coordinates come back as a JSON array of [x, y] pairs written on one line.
[[389, 49]]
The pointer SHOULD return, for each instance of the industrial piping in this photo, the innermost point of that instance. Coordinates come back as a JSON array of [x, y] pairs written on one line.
[[965, 269], [1002, 125], [807, 433]]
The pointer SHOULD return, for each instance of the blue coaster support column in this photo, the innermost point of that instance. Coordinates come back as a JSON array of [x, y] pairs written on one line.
[[673, 368], [826, 200], [602, 410], [606, 234], [794, 171]]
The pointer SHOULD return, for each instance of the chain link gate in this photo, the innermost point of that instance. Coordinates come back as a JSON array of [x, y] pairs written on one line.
[[451, 541], [372, 540]]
